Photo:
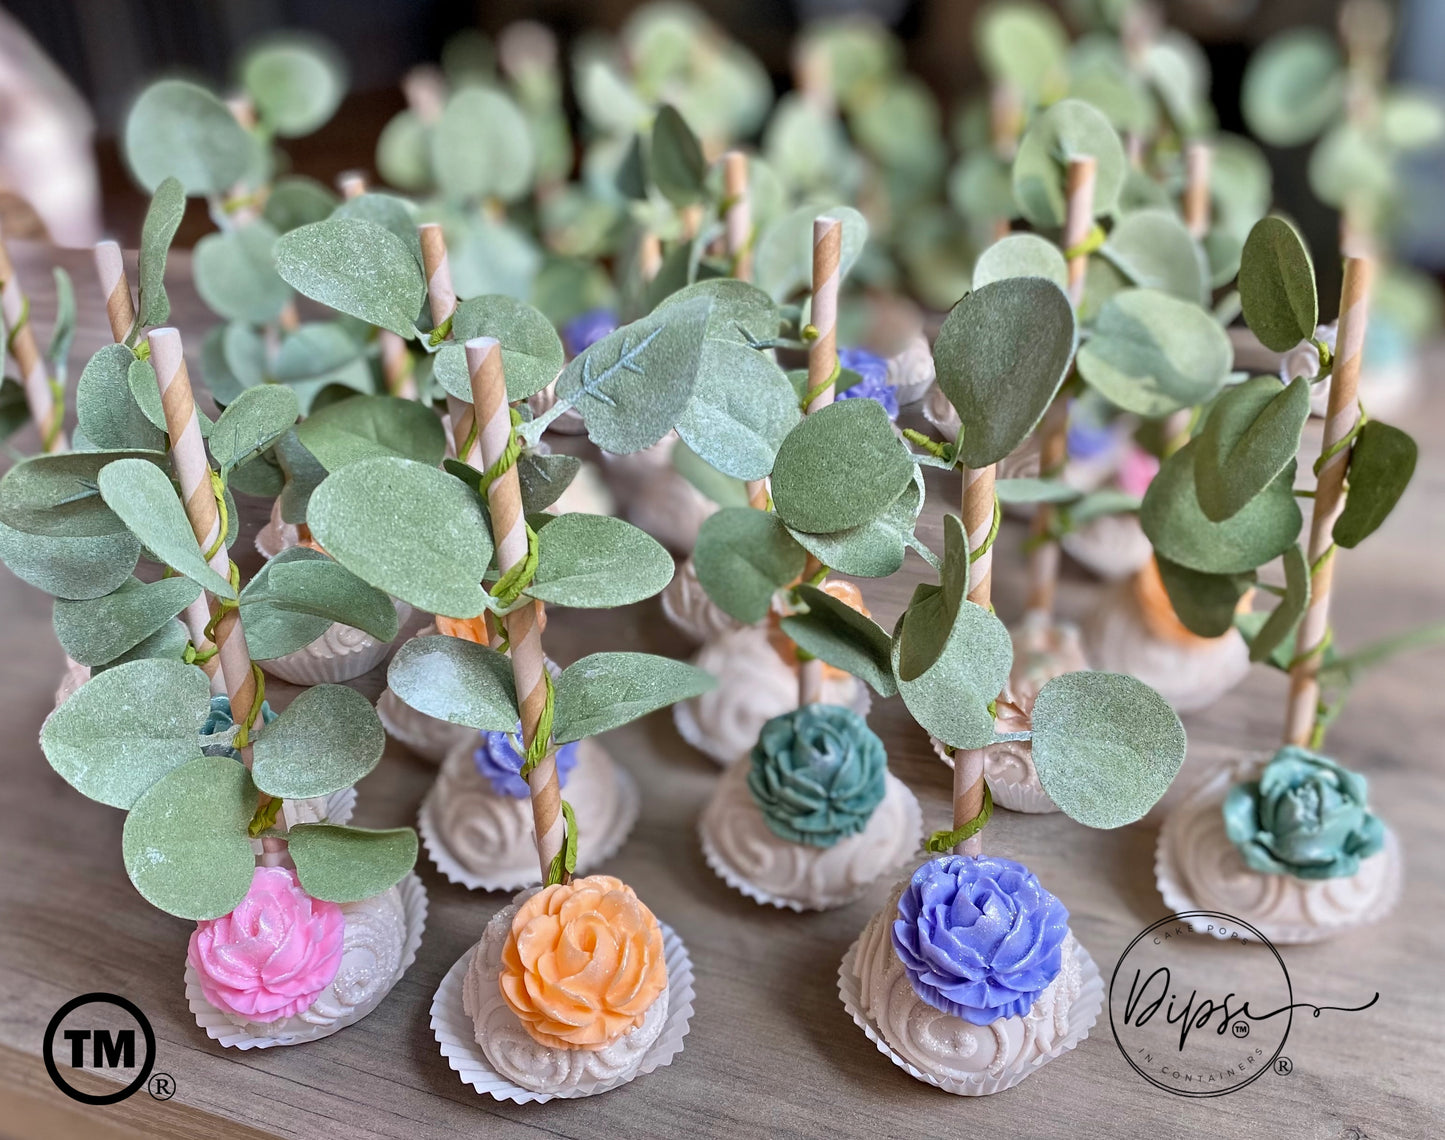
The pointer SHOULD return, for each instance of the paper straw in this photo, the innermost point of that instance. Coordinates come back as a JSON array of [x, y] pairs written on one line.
[[1341, 416], [649, 256], [1198, 159], [823, 352], [1079, 220], [34, 376], [509, 529], [738, 220], [440, 293], [978, 516], [351, 183]]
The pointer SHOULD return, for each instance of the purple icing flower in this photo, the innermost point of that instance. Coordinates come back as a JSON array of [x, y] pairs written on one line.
[[873, 379], [499, 759], [586, 329], [979, 936]]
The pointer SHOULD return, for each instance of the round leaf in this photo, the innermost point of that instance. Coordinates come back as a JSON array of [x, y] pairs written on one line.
[[57, 494], [296, 85], [676, 158], [950, 699], [1106, 746], [875, 549], [1204, 603], [1293, 87], [348, 864], [834, 632], [403, 152], [106, 411], [1154, 250], [80, 568], [176, 129], [98, 631], [162, 220], [1252, 433], [327, 739], [457, 681], [236, 274], [252, 423], [368, 427], [783, 259], [297, 202], [482, 147], [597, 562], [1381, 464], [1021, 255], [606, 690], [742, 557], [532, 353], [1277, 285], [1023, 45], [358, 268], [742, 407], [1068, 129]]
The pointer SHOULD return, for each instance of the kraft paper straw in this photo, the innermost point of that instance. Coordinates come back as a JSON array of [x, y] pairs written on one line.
[[34, 377], [1198, 159], [738, 220], [978, 516]]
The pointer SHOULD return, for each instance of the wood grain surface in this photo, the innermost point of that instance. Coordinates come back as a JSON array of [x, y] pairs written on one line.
[[771, 1050]]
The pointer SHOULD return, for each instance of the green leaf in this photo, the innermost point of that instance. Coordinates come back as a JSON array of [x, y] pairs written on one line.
[[951, 698], [348, 864], [58, 495], [1277, 285], [840, 467], [294, 84], [370, 427], [482, 148], [1153, 354], [1204, 603], [597, 562], [1035, 491], [79, 568], [1412, 120], [167, 644], [633, 385], [1021, 255], [326, 739], [303, 474], [252, 423], [456, 681], [1181, 532], [676, 160], [144, 498], [876, 548], [409, 529], [1106, 746], [835, 632], [532, 353], [1001, 355], [62, 330], [141, 380], [14, 409], [185, 844], [163, 218], [316, 356], [358, 268], [1382, 462], [236, 274], [1293, 87], [934, 611], [297, 201], [1023, 45], [1346, 669], [1285, 618], [403, 152], [1154, 250], [606, 690], [99, 630], [740, 312], [709, 482], [742, 407], [1068, 129], [104, 407], [314, 586], [274, 630], [176, 129], [742, 557], [783, 259], [544, 478], [1251, 434], [127, 727], [390, 213]]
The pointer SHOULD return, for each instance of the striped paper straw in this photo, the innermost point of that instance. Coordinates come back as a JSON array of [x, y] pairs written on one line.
[[1198, 159], [738, 220], [978, 510], [1079, 219], [1341, 416], [34, 377], [509, 528]]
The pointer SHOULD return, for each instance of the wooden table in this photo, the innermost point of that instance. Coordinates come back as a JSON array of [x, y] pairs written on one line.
[[771, 1051]]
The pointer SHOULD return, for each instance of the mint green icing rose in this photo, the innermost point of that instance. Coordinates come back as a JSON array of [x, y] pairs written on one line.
[[817, 774], [1305, 816]]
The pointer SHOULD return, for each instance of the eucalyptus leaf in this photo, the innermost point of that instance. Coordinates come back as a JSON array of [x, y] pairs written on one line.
[[951, 699], [274, 630], [876, 548], [741, 409], [1285, 618], [104, 407], [932, 612], [125, 728], [62, 328], [1251, 434], [1204, 603], [1068, 129], [597, 562], [1106, 746], [456, 681], [78, 568], [320, 588], [1021, 255], [675, 158], [252, 423], [235, 274], [99, 630], [1023, 45], [783, 259], [1001, 356], [321, 355], [326, 739], [409, 529], [58, 495], [606, 690], [740, 311], [303, 474], [742, 557], [544, 479], [532, 353], [169, 643], [1277, 285], [836, 633], [708, 481], [1153, 249], [297, 201], [370, 427], [348, 864], [390, 213], [295, 84], [1033, 490], [1294, 87], [163, 218], [1382, 462], [176, 129], [482, 147], [358, 268], [403, 152]]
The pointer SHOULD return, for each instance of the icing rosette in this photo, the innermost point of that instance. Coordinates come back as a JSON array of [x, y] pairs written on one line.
[[273, 955], [499, 761], [872, 384], [979, 936], [582, 963], [817, 774], [1305, 816]]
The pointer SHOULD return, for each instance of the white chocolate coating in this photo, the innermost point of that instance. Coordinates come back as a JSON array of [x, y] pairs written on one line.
[[425, 735], [656, 497], [519, 1057], [1112, 546], [342, 653], [911, 370], [945, 1046], [277, 535], [754, 685], [1199, 868], [690, 610], [1189, 675], [742, 849]]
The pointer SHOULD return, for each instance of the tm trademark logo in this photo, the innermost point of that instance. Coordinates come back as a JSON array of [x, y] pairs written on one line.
[[98, 1033]]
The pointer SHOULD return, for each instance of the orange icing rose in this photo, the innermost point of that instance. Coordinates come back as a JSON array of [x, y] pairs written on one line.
[[783, 645], [1158, 610], [468, 629], [583, 963]]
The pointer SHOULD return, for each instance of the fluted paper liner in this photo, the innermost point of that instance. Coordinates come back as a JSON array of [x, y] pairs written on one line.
[[456, 1033], [319, 662], [224, 1031], [1018, 797], [1082, 1014]]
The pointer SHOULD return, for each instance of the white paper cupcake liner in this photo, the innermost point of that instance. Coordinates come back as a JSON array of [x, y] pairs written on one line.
[[591, 854], [1169, 879], [734, 878], [1082, 1015], [224, 1031], [456, 1033], [1018, 797]]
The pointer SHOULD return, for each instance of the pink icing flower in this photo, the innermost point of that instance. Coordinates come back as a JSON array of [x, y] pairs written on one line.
[[1136, 471], [273, 955]]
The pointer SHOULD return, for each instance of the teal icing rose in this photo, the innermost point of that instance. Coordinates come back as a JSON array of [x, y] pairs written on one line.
[[1305, 816], [817, 774]]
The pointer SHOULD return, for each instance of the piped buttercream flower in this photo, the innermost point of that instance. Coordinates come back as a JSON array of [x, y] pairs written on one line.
[[499, 759]]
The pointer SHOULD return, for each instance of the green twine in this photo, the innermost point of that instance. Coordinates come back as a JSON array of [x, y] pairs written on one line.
[[942, 842], [1343, 442], [265, 817], [987, 543], [20, 324], [193, 656], [509, 586], [565, 861], [542, 738], [1094, 241], [510, 454], [440, 333], [818, 389], [944, 451], [218, 488]]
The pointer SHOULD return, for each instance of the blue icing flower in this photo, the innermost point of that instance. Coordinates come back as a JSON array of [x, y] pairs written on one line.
[[586, 329], [219, 727], [499, 759], [817, 774], [873, 379], [979, 936], [1305, 816]]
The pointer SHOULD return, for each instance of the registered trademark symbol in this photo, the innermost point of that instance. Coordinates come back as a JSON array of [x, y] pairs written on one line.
[[162, 1086], [1240, 1029], [1284, 1066]]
